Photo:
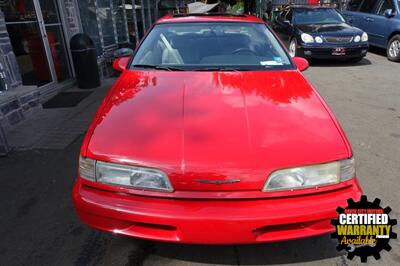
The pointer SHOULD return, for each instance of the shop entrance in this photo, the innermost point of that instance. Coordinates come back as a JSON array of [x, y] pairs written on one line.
[[38, 40]]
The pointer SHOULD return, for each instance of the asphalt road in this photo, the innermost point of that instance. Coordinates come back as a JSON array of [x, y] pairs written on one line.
[[39, 226]]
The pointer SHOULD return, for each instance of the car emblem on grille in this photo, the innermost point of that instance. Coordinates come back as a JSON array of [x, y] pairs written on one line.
[[218, 182]]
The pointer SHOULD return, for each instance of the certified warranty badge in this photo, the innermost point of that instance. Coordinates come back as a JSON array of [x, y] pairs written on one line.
[[364, 229]]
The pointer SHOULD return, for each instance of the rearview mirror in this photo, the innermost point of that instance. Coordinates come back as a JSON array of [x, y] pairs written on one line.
[[301, 63], [389, 13]]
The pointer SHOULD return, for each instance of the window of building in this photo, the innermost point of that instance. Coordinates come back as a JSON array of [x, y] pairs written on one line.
[[87, 11], [104, 15], [105, 21], [119, 14]]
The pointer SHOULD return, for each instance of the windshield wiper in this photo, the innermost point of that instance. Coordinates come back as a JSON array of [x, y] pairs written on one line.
[[220, 69], [158, 67]]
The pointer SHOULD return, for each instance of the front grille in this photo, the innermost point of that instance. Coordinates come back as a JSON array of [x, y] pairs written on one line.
[[339, 39]]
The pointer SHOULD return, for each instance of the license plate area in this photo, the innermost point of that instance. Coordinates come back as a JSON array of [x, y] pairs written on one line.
[[339, 51]]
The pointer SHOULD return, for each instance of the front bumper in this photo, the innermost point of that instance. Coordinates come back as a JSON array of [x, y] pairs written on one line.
[[211, 221], [326, 52]]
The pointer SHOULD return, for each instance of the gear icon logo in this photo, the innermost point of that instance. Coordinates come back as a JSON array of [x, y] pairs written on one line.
[[364, 229]]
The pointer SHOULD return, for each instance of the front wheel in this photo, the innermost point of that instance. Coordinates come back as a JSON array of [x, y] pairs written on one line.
[[393, 50], [293, 47]]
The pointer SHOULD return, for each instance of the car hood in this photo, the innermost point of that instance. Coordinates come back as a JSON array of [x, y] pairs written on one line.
[[329, 29], [216, 126]]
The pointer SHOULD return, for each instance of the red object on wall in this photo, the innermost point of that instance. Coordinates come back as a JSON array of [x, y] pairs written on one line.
[[56, 60], [313, 2], [38, 56], [21, 7]]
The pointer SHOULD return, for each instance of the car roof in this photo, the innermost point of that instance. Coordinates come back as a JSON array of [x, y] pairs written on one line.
[[208, 17], [312, 7]]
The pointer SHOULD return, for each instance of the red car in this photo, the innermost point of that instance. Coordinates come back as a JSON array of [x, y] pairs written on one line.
[[212, 135]]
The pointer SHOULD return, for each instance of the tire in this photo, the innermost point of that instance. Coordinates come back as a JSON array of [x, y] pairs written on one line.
[[393, 49], [293, 47]]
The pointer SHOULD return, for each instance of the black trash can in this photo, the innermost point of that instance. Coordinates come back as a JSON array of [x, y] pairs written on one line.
[[85, 61]]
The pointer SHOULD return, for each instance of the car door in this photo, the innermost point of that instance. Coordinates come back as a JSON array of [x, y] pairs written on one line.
[[366, 18], [379, 23], [352, 15]]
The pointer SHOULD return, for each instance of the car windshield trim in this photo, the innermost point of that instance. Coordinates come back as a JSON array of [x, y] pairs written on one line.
[[158, 67], [209, 68], [321, 23], [271, 55]]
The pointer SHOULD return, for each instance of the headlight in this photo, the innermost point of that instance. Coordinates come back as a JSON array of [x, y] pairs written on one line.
[[307, 38], [357, 38], [364, 37], [318, 39], [124, 175], [311, 176]]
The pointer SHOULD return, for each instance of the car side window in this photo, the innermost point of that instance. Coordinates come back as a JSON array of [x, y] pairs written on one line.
[[281, 16], [289, 15], [354, 5], [384, 5], [368, 6]]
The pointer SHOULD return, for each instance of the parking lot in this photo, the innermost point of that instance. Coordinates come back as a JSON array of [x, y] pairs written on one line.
[[39, 226]]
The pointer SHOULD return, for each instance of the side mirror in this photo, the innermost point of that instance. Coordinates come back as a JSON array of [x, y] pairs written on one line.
[[122, 57], [389, 13], [123, 52], [301, 63], [287, 22], [121, 63]]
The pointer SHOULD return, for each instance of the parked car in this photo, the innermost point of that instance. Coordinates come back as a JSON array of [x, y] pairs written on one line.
[[320, 32], [381, 20], [212, 135]]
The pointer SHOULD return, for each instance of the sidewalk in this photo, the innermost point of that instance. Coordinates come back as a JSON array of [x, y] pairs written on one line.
[[58, 127]]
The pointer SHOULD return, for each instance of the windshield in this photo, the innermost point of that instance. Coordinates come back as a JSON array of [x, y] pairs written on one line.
[[317, 16], [211, 46]]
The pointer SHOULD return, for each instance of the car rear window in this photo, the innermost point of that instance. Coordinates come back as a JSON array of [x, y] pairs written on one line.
[[201, 45]]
